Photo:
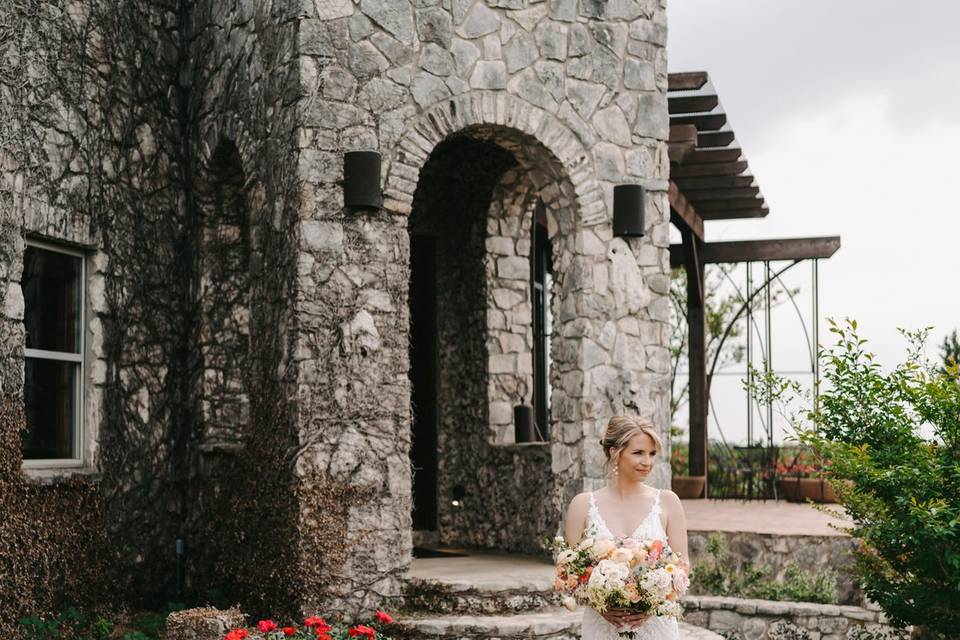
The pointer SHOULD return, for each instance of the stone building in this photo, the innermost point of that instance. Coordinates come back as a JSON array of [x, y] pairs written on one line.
[[204, 331]]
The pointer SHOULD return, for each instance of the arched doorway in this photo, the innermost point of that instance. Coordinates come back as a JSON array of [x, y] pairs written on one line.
[[489, 203]]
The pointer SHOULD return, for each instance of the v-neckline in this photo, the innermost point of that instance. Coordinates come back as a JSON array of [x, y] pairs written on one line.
[[596, 508]]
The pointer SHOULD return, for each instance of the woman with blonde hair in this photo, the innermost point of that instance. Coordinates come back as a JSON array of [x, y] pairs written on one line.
[[627, 507]]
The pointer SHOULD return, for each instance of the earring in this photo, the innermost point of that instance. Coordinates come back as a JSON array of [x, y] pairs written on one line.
[[616, 469]]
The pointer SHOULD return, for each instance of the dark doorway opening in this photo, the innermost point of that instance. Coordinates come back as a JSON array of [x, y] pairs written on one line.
[[423, 379]]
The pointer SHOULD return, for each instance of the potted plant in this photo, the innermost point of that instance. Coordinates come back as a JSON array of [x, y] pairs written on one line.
[[801, 481], [685, 486]]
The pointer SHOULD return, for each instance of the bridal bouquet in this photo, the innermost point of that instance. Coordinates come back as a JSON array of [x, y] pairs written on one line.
[[643, 576]]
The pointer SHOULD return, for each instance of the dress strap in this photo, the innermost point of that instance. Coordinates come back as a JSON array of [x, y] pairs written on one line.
[[655, 509]]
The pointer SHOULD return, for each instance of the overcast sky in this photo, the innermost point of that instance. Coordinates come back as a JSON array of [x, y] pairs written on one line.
[[849, 114]]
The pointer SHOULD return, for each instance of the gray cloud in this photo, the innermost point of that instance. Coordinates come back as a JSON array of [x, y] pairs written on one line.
[[771, 59]]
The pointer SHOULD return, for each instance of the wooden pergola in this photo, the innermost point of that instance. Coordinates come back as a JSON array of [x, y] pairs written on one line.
[[711, 180]]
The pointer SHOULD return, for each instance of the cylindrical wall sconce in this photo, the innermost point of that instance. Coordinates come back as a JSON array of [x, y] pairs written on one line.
[[361, 180], [523, 428], [628, 210]]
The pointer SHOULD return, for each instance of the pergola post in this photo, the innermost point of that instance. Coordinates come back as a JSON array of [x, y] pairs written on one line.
[[697, 353]]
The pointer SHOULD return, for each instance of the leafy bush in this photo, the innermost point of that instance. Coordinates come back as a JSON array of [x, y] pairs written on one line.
[[892, 439], [716, 577], [74, 624]]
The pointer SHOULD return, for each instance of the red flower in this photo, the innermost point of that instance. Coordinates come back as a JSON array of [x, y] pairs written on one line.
[[314, 621], [384, 617], [362, 630], [237, 634], [289, 631], [323, 635], [266, 625]]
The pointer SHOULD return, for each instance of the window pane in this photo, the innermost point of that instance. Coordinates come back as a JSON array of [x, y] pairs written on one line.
[[50, 396], [51, 293]]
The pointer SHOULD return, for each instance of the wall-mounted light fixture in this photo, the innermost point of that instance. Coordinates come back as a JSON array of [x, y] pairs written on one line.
[[361, 180], [523, 428], [628, 210]]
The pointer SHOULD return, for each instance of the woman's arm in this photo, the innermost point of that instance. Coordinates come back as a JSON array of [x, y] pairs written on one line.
[[576, 518], [676, 526]]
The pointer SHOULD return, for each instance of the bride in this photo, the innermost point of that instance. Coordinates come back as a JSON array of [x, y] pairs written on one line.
[[627, 507]]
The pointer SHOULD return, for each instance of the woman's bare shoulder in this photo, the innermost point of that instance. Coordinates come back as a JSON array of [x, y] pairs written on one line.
[[580, 501], [670, 500]]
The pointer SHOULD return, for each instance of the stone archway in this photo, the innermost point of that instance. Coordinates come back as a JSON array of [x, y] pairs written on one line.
[[488, 491]]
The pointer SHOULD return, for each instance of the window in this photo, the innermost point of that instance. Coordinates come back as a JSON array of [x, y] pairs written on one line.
[[542, 257], [53, 359]]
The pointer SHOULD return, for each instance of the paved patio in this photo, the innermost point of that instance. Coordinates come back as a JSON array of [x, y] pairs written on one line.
[[784, 518]]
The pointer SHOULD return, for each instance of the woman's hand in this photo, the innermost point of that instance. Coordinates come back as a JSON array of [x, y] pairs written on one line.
[[624, 618]]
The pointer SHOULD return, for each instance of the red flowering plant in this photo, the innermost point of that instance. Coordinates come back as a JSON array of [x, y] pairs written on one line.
[[316, 628], [802, 466]]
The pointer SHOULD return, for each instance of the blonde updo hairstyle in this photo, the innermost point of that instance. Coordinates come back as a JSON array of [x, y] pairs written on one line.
[[619, 431]]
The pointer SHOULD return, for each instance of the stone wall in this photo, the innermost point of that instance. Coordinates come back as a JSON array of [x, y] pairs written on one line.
[[253, 403], [743, 619], [116, 153], [777, 552], [576, 93]]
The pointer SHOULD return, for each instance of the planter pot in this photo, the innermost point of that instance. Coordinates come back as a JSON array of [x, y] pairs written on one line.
[[688, 487], [803, 489]]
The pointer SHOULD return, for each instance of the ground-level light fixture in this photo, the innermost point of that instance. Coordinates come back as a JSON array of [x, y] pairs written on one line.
[[361, 180], [628, 202]]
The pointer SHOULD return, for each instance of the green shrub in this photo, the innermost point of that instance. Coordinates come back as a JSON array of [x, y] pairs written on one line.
[[893, 441], [715, 576]]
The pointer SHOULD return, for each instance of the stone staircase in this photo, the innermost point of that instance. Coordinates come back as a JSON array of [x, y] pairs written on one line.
[[485, 596]]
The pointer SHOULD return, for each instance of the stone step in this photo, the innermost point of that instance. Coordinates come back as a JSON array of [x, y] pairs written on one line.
[[480, 585], [547, 624], [436, 597]]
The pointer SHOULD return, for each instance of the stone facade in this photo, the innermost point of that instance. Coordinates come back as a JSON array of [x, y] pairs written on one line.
[[745, 619], [250, 335]]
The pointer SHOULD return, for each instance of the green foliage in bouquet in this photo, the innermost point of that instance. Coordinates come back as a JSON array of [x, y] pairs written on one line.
[[892, 439]]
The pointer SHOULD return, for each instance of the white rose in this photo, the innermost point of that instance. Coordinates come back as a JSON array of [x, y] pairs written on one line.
[[586, 543], [612, 572], [622, 556], [602, 547], [566, 557]]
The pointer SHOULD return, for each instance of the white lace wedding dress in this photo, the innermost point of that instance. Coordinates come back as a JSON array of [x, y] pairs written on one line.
[[654, 628]]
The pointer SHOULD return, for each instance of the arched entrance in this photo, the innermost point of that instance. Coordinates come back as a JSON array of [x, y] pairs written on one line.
[[489, 205]]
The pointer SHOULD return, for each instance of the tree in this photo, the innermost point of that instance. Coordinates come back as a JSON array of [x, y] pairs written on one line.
[[725, 318], [949, 350], [892, 440]]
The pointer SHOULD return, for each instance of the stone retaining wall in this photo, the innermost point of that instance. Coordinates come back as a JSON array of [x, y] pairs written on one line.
[[754, 619], [777, 552]]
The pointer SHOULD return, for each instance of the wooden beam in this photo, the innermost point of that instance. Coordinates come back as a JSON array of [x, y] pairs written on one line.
[[698, 195], [759, 250], [692, 104], [736, 214], [687, 81], [715, 139], [683, 140], [682, 213], [710, 169], [714, 182], [730, 204], [708, 122], [703, 156]]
